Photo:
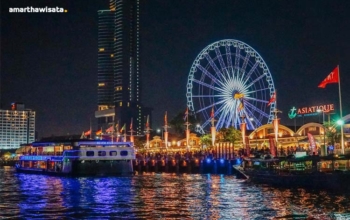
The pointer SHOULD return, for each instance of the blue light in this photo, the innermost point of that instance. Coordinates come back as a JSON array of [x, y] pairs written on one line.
[[222, 161], [208, 160], [238, 161]]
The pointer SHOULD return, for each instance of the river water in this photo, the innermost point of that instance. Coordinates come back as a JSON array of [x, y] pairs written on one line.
[[160, 196]]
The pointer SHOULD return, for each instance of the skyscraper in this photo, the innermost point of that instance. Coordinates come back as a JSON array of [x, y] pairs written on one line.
[[119, 82], [17, 126]]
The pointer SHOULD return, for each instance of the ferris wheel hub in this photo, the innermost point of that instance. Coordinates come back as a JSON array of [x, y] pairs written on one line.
[[238, 95]]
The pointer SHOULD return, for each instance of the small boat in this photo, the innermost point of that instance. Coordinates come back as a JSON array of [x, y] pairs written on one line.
[[77, 158], [327, 172]]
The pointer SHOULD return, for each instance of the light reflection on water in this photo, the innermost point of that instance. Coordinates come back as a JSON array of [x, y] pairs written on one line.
[[158, 196]]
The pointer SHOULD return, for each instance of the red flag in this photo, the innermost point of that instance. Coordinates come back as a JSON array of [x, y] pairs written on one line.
[[99, 132], [186, 114], [110, 129], [312, 142], [147, 121], [272, 99], [333, 77], [87, 133], [241, 106], [166, 118], [212, 113]]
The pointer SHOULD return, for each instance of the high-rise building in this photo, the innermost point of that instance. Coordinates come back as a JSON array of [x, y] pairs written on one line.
[[119, 81], [17, 126]]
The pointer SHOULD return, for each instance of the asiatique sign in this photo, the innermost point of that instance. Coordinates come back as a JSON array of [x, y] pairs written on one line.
[[310, 110]]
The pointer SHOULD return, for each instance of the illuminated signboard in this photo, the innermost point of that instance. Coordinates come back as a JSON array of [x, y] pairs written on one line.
[[309, 111], [41, 158]]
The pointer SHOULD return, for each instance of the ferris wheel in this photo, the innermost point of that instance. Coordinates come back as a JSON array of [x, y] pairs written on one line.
[[231, 79]]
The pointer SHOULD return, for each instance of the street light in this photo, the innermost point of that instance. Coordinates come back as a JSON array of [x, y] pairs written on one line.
[[340, 122], [158, 132]]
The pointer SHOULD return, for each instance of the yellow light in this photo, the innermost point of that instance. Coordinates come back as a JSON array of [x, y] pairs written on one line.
[[101, 49], [101, 84], [112, 55], [238, 96]]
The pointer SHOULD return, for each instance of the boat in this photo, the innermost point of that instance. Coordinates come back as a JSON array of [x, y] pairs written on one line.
[[77, 158], [318, 172]]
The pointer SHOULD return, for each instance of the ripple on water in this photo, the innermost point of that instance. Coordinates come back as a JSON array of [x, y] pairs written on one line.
[[157, 196]]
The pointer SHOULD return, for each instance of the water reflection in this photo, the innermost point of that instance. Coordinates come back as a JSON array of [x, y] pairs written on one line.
[[157, 196]]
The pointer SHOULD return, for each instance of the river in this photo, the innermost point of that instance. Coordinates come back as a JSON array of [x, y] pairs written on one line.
[[160, 196]]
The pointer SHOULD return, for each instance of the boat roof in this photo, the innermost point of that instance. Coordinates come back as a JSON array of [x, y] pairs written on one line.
[[78, 142], [300, 159]]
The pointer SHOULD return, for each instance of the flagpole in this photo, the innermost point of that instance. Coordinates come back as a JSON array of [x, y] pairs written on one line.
[[341, 114], [113, 130], [90, 130]]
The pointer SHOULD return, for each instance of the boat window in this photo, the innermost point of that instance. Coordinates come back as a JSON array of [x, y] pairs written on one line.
[[90, 153], [123, 153], [113, 153], [102, 153]]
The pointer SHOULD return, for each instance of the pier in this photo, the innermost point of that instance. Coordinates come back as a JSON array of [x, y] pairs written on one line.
[[185, 165]]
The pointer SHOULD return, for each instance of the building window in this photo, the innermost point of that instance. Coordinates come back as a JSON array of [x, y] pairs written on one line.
[[101, 49], [101, 84], [312, 128]]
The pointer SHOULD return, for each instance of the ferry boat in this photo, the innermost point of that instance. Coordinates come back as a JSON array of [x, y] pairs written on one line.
[[327, 172], [77, 158]]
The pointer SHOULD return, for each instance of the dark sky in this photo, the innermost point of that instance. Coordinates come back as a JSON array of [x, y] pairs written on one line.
[[49, 61]]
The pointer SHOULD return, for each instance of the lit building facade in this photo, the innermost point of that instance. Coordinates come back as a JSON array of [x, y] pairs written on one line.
[[17, 126], [119, 81]]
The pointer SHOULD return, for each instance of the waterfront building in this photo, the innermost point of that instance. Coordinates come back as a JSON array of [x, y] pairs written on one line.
[[119, 80], [17, 126]]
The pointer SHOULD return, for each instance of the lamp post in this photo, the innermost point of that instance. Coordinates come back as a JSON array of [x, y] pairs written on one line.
[[340, 122], [158, 132]]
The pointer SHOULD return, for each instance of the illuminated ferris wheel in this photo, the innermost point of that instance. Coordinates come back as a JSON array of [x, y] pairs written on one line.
[[231, 78]]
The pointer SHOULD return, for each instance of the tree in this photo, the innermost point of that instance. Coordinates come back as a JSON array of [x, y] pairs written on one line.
[[206, 139], [333, 133], [178, 122], [229, 135]]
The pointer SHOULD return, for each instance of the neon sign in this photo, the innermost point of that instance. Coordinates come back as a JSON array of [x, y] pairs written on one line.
[[311, 110]]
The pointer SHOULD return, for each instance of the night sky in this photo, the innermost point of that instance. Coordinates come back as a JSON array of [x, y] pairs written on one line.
[[49, 61]]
